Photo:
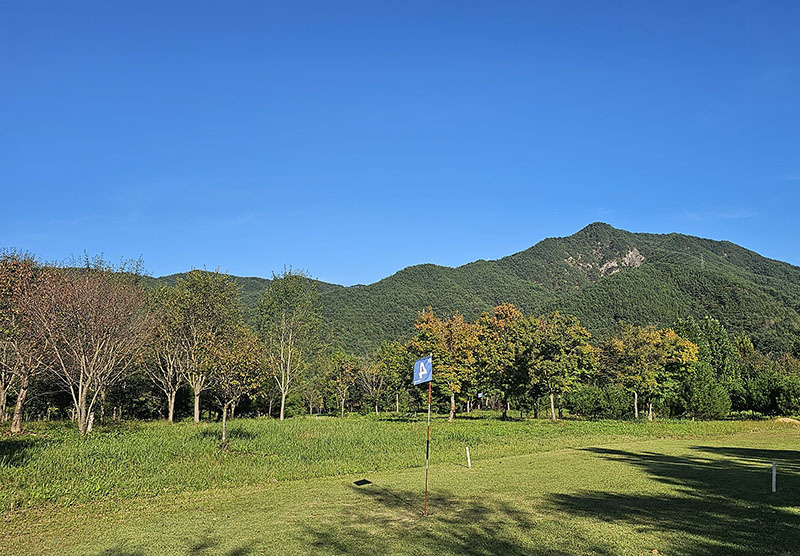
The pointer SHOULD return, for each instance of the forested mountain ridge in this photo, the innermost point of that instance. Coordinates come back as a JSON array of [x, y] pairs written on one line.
[[601, 274]]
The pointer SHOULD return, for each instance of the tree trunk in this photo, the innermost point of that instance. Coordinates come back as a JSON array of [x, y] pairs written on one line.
[[536, 408], [102, 406], [196, 405], [82, 414], [224, 424], [283, 404], [233, 410], [269, 411], [397, 402], [171, 407], [636, 405], [552, 407], [452, 407], [560, 407], [310, 407], [650, 411], [469, 406], [376, 409], [3, 401], [343, 400], [506, 407], [16, 422]]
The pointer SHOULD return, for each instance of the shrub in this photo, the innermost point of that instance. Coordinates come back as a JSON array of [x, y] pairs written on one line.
[[608, 402]]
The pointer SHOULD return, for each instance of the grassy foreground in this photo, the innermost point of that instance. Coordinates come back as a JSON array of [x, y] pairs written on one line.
[[580, 488], [53, 464]]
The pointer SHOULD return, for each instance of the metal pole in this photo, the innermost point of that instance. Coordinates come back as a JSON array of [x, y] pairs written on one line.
[[427, 451]]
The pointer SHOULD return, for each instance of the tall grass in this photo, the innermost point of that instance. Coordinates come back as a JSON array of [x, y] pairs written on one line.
[[53, 464]]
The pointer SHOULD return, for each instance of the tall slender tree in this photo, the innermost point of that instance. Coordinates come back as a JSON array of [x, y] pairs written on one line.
[[165, 353], [373, 379], [288, 323], [207, 310], [395, 364], [342, 375], [500, 334]]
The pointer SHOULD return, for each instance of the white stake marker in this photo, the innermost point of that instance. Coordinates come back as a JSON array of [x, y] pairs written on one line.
[[774, 470], [469, 461]]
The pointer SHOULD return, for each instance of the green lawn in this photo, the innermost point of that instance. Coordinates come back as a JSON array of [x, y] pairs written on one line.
[[535, 488]]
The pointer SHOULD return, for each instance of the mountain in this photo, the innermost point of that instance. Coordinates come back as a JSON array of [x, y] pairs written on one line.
[[601, 274]]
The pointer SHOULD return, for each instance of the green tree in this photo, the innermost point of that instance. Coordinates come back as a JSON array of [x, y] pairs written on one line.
[[796, 349], [715, 348], [207, 311], [165, 349], [705, 397], [396, 365], [556, 353], [647, 361], [236, 363], [499, 335], [288, 318], [342, 375]]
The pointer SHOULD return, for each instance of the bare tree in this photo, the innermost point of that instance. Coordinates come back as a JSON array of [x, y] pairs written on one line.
[[342, 375], [373, 380], [312, 394], [95, 320], [288, 324]]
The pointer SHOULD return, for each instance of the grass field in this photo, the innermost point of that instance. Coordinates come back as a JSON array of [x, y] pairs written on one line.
[[284, 488]]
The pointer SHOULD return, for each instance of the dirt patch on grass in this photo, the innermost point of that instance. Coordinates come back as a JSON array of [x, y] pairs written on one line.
[[788, 420]]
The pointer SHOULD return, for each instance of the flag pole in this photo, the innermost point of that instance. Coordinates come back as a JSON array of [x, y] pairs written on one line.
[[427, 452]]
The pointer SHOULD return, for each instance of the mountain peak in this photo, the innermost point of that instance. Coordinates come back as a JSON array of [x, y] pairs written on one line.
[[598, 229], [597, 226]]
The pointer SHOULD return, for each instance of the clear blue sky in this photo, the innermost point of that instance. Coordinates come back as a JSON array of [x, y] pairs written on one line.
[[354, 139]]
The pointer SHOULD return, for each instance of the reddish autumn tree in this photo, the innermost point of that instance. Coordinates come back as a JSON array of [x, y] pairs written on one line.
[[453, 343], [22, 346], [95, 321]]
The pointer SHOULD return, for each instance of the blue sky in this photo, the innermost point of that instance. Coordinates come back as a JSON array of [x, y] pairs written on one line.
[[354, 139]]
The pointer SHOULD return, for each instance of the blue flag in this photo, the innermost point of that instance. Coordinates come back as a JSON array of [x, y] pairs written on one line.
[[423, 370]]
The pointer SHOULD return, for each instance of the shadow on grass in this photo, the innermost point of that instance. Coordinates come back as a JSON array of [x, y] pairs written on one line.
[[395, 525], [720, 505], [204, 546], [16, 451]]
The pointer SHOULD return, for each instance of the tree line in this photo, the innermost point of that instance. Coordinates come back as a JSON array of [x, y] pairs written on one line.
[[91, 337]]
